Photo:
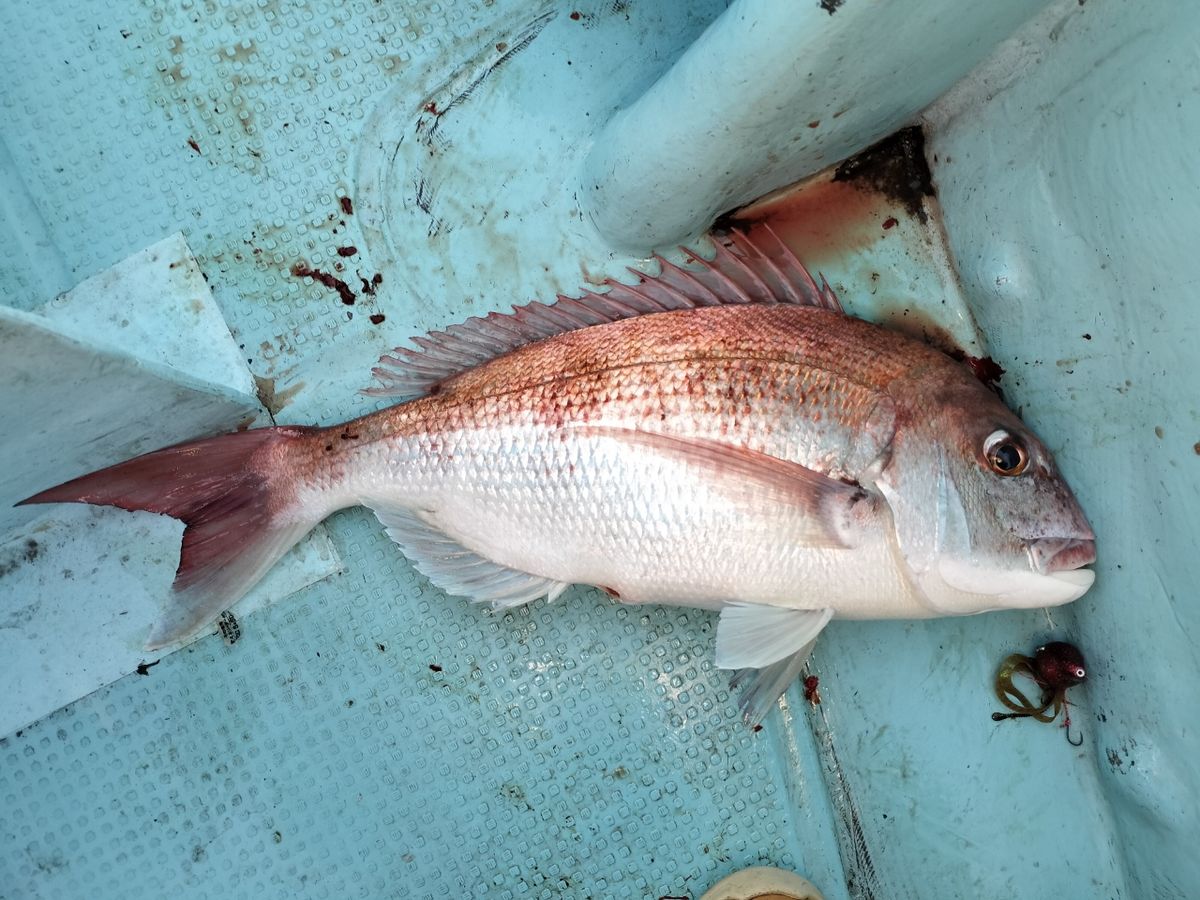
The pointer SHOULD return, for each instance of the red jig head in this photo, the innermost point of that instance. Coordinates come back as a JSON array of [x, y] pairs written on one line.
[[1059, 665]]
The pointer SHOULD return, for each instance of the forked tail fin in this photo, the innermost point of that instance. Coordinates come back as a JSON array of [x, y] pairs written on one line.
[[236, 495]]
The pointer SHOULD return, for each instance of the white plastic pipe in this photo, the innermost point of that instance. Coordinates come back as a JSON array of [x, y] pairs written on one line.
[[773, 91]]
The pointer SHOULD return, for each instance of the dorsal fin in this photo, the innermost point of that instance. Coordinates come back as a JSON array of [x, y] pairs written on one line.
[[747, 268]]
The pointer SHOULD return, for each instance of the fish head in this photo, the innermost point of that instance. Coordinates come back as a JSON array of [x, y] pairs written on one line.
[[983, 517]]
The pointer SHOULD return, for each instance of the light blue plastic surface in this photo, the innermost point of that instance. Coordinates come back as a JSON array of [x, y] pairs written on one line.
[[1071, 193], [369, 738]]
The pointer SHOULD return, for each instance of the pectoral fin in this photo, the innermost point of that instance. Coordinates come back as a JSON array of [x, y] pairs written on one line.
[[768, 645], [751, 479]]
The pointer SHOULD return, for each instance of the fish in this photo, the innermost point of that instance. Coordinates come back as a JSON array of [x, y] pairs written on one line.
[[719, 435]]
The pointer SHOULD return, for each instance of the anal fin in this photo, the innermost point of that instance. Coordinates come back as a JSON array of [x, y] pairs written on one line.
[[459, 571]]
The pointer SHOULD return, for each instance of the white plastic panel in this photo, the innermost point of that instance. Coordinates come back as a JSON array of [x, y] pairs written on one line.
[[135, 358]]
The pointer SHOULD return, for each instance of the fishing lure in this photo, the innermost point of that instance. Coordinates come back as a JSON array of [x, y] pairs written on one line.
[[1055, 668]]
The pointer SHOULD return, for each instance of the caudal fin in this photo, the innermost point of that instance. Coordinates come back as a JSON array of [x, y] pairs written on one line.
[[235, 494]]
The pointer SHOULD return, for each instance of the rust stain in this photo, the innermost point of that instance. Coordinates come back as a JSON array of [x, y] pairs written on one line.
[[812, 691], [819, 219], [832, 213], [589, 277], [192, 143]]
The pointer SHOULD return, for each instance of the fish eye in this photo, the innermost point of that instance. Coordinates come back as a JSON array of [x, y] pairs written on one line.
[[1005, 454]]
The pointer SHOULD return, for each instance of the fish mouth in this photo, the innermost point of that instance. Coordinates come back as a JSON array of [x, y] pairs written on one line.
[[1058, 554]]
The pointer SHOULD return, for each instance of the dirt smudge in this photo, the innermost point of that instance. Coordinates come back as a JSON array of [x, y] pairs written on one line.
[[26, 553], [304, 270], [273, 401], [896, 168]]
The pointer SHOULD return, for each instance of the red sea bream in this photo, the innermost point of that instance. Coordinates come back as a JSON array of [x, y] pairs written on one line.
[[720, 435]]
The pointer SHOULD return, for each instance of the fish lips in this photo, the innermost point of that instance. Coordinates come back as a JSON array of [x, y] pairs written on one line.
[[1062, 554], [1063, 559]]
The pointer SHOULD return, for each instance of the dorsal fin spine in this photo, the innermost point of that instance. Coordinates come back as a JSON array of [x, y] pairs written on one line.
[[413, 361], [463, 335], [621, 297], [827, 294], [705, 295], [766, 295], [585, 312], [656, 294], [498, 324], [723, 273], [614, 299], [732, 265], [743, 270], [780, 282]]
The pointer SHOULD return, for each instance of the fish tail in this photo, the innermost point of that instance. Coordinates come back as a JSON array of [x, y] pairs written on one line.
[[236, 495]]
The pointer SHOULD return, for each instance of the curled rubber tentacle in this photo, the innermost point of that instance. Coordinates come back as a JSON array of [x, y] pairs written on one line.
[[1012, 696]]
